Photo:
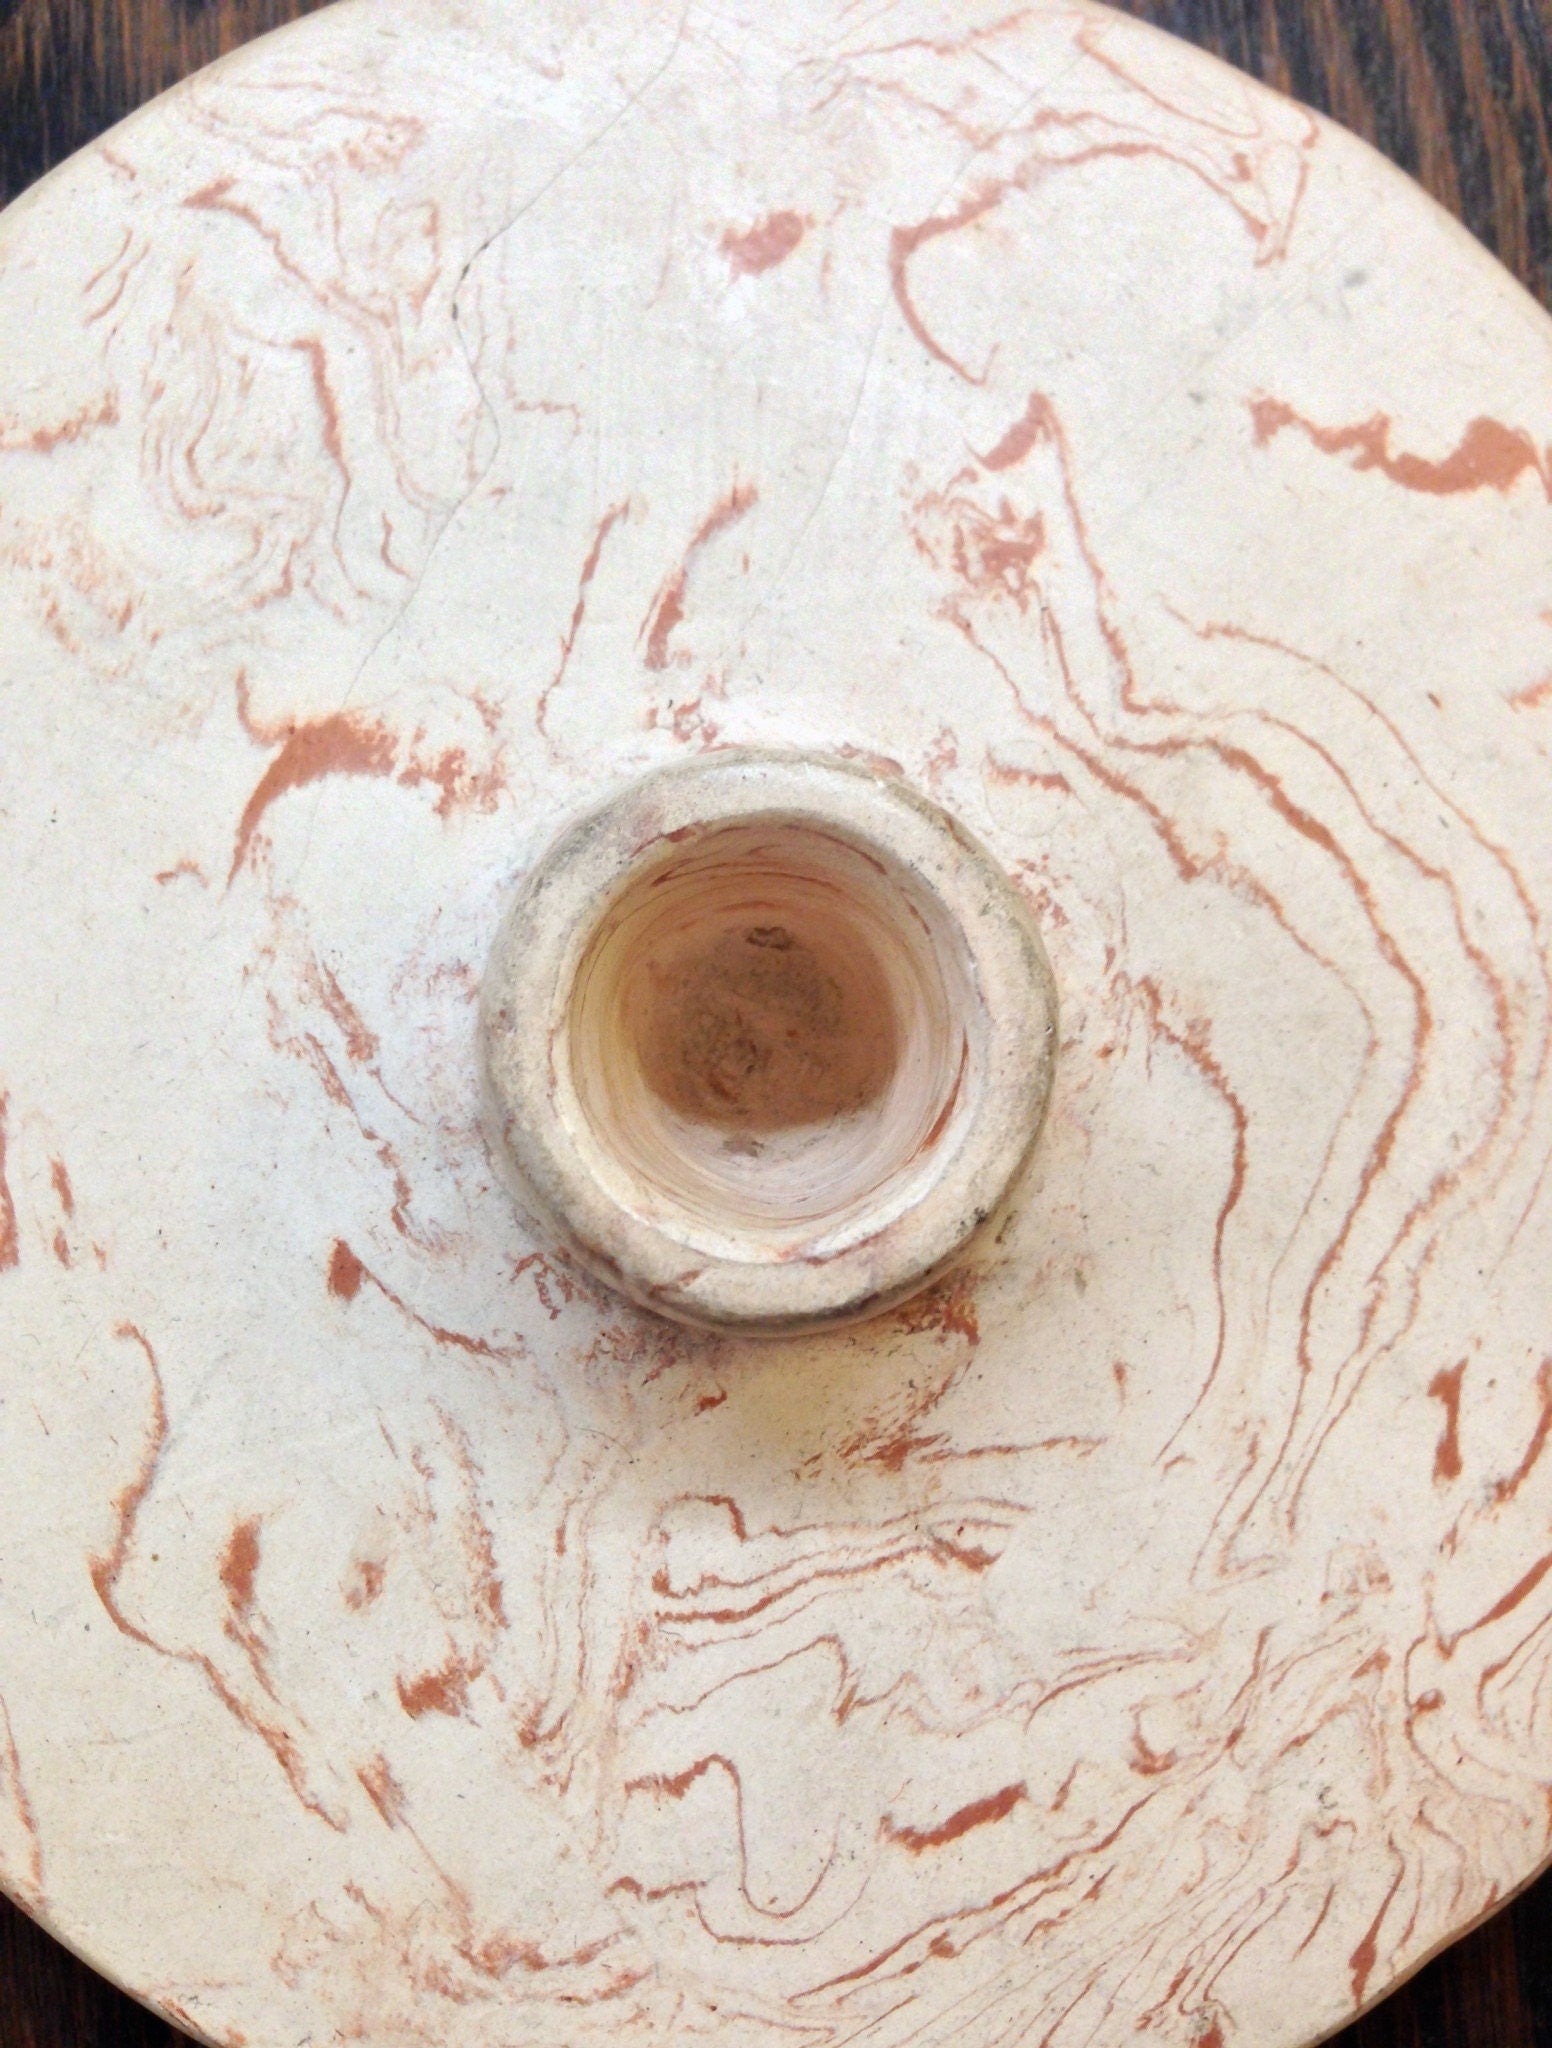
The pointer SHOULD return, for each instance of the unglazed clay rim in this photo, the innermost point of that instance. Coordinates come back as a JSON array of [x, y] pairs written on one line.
[[550, 1154]]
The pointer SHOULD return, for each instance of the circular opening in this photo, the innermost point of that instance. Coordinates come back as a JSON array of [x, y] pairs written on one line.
[[765, 1040], [770, 1028]]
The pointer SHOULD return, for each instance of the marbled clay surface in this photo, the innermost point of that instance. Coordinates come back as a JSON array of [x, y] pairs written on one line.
[[445, 407]]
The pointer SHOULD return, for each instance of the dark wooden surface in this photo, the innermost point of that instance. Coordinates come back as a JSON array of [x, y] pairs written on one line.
[[1460, 92]]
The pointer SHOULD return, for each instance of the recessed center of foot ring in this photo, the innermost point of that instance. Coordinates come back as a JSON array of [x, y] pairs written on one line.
[[767, 1040]]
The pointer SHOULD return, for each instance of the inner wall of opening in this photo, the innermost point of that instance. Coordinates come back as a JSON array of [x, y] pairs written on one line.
[[769, 1028]]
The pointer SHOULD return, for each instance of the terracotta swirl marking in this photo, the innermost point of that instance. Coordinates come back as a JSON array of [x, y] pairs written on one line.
[[668, 606], [107, 1571], [341, 745], [767, 243], [1446, 1387], [979, 1813], [25, 1872], [10, 1243], [346, 743], [1489, 457], [579, 612]]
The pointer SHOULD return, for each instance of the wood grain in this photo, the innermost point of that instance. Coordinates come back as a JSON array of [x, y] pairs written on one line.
[[1457, 91]]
